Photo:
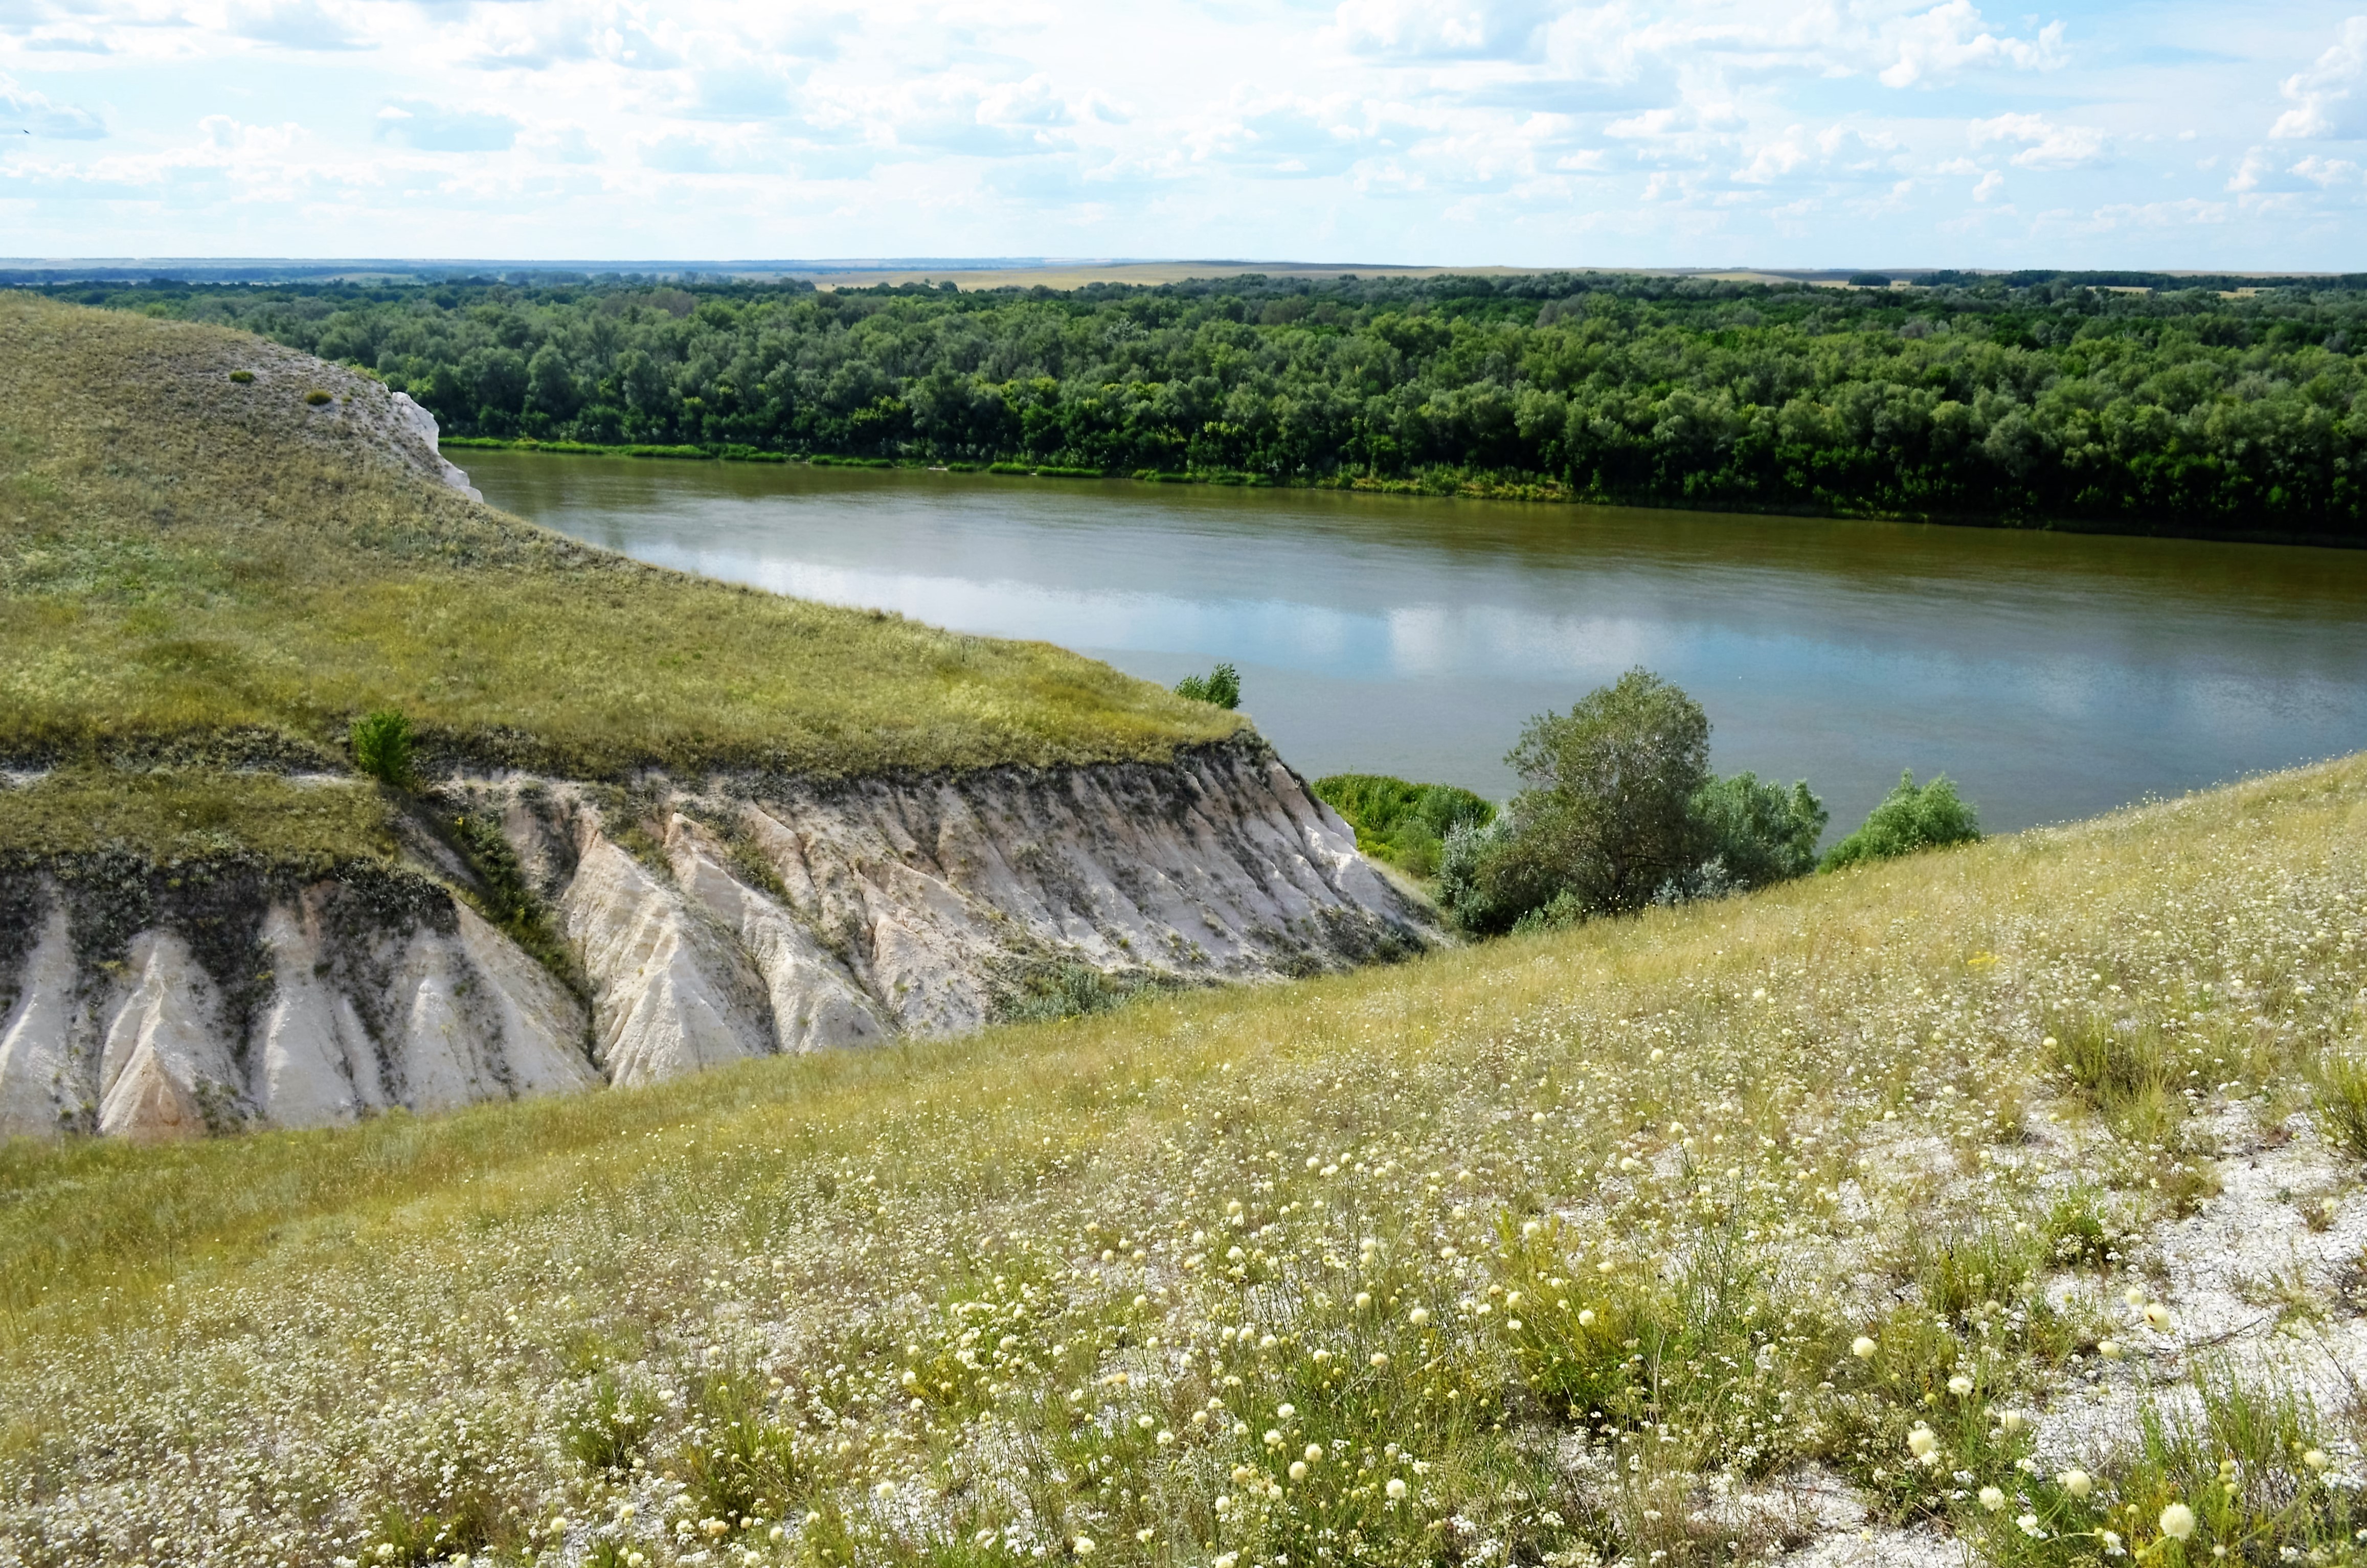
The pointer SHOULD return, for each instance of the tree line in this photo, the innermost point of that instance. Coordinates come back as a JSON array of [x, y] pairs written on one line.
[[2147, 406]]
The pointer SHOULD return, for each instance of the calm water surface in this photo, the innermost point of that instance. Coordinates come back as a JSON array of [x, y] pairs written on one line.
[[2053, 676]]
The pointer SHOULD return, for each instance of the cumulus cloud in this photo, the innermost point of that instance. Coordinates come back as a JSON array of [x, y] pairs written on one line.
[[690, 156], [432, 128], [1950, 38], [2325, 98], [2186, 213], [22, 110], [26, 110], [966, 113], [295, 24], [1771, 161], [555, 33], [1464, 129], [2327, 172], [1279, 135], [1428, 29], [2044, 145]]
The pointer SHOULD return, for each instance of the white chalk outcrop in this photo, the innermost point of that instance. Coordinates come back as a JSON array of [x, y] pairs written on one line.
[[427, 1015], [418, 423], [757, 918]]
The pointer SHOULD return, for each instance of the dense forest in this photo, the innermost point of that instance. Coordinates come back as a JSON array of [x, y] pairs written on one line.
[[2123, 400]]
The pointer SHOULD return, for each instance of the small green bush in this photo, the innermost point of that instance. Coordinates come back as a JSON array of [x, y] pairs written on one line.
[[1221, 686], [1402, 823], [383, 748], [2339, 1085], [1009, 468], [611, 1425], [242, 377], [1622, 811], [317, 397], [739, 1462], [1759, 833], [1067, 990], [1909, 820]]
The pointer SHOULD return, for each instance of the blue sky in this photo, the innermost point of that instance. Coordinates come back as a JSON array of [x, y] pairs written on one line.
[[1691, 132]]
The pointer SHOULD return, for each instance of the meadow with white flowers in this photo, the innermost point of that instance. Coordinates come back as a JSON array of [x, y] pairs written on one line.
[[2002, 1203]]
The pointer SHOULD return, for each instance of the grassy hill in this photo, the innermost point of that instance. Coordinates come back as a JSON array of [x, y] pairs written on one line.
[[2010, 1194], [197, 569]]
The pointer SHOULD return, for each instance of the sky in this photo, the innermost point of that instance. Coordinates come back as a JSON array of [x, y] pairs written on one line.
[[1519, 132]]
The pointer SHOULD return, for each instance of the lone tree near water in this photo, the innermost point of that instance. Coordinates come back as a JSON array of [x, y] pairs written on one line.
[[1607, 818], [1615, 778], [1622, 811]]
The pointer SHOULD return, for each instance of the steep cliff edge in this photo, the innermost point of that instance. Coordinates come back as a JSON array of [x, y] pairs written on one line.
[[656, 823], [737, 918]]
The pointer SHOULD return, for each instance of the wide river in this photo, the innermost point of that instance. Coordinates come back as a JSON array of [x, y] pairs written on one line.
[[2052, 675]]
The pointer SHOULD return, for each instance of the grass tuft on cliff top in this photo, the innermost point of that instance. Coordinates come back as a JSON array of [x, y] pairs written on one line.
[[1674, 1240], [199, 571]]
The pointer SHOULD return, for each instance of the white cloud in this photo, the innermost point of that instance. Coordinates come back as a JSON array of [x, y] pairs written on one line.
[[304, 24], [1950, 38], [1574, 130], [1771, 161], [2045, 145], [23, 110], [692, 154], [2327, 172], [432, 128], [2185, 213], [2325, 96], [1431, 30]]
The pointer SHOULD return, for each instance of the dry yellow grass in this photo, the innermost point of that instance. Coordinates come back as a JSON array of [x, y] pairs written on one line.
[[197, 569], [1549, 1251]]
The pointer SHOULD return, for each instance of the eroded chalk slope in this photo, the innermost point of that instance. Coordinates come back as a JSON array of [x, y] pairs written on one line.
[[700, 926]]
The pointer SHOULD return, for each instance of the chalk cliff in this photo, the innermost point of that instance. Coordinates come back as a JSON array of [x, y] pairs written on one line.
[[703, 925]]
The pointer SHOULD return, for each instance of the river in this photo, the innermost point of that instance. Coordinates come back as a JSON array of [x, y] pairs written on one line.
[[2052, 675]]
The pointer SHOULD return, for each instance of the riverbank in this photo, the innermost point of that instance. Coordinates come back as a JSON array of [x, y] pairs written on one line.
[[1443, 483], [327, 790], [1414, 635]]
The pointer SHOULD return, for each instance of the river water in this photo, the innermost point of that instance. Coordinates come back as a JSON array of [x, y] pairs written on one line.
[[2053, 676]]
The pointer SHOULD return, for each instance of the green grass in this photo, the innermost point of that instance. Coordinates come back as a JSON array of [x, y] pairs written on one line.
[[198, 571], [177, 815], [1404, 824], [1545, 1245]]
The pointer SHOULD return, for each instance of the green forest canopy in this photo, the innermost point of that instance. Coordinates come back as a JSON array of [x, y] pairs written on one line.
[[2134, 402]]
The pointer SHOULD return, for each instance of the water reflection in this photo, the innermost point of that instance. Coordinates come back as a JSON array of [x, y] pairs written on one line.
[[2054, 675]]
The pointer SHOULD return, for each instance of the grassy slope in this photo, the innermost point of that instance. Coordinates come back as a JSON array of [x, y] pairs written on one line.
[[1708, 1147], [196, 569]]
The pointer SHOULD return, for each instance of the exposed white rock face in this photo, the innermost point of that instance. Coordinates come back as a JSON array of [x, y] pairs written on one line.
[[815, 1002], [673, 994], [164, 1069], [41, 1083], [768, 917], [415, 420], [791, 917], [420, 1015]]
